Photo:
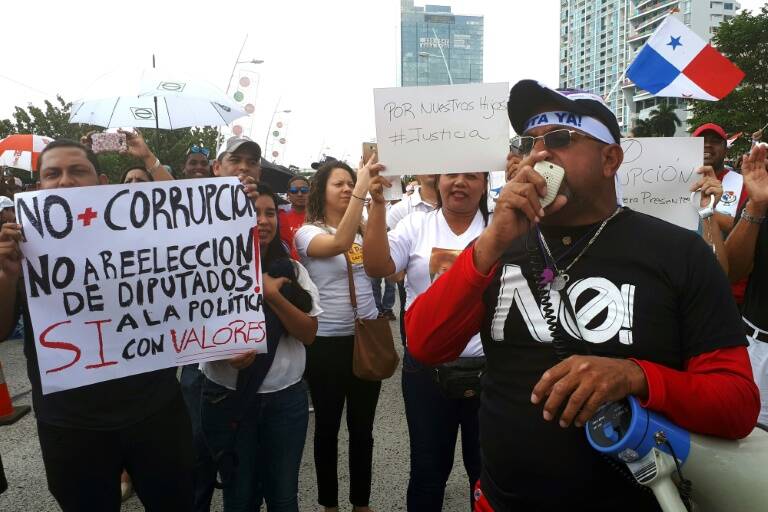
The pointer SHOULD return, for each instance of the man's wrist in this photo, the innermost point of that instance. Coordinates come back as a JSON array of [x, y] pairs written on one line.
[[151, 162], [487, 252], [638, 383], [755, 209]]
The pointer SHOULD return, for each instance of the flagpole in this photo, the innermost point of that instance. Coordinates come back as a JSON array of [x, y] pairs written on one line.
[[615, 86]]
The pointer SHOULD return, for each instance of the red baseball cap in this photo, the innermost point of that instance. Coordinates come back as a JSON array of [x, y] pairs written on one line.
[[711, 127]]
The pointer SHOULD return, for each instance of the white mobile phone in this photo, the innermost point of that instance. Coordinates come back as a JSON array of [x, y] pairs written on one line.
[[395, 192], [554, 175]]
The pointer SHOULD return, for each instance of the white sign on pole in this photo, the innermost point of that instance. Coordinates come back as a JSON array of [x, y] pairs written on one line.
[[442, 128], [657, 174], [126, 279]]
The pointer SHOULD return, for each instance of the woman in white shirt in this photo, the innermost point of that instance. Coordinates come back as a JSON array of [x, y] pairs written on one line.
[[254, 407], [438, 401], [332, 236]]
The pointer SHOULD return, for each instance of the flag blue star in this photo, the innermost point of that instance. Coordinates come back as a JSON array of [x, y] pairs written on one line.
[[674, 42]]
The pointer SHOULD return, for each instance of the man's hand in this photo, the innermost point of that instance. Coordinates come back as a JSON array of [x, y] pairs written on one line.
[[242, 361], [250, 186], [10, 253], [517, 209], [513, 164], [136, 146], [709, 185], [758, 135], [755, 176], [585, 383]]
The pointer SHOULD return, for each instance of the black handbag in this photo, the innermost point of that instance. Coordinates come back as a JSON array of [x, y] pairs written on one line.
[[461, 378]]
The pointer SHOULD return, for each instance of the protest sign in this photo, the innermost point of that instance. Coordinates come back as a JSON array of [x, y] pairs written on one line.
[[126, 279], [656, 176], [442, 129]]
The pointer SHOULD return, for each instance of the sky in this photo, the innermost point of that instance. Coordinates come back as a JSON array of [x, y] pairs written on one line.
[[322, 59]]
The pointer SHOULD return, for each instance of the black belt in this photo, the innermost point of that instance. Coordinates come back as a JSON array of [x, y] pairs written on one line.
[[756, 333]]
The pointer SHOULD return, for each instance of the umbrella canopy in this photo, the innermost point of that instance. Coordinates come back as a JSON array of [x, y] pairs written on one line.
[[117, 101], [22, 150]]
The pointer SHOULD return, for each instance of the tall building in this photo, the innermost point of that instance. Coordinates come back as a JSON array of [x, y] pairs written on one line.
[[438, 47], [600, 38]]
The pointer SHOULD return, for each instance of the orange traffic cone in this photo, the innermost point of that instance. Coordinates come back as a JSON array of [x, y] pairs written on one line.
[[8, 413]]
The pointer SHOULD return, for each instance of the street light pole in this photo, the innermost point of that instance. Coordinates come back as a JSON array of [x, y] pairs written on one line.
[[450, 78]]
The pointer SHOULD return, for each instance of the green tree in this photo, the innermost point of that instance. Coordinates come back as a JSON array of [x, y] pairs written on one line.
[[53, 121], [744, 40], [664, 120], [643, 128]]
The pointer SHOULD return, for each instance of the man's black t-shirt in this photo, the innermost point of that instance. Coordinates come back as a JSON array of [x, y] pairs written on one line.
[[106, 405], [755, 308], [645, 289]]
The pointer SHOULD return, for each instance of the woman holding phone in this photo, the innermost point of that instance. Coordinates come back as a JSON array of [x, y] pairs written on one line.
[[331, 238], [438, 401]]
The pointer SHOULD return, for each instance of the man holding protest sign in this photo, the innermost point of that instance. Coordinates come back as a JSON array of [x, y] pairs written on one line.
[[89, 434], [577, 308]]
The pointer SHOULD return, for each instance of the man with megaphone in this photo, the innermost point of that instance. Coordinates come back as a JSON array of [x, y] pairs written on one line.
[[579, 304]]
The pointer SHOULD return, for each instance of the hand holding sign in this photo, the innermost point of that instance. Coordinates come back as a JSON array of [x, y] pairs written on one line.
[[10, 254], [708, 185]]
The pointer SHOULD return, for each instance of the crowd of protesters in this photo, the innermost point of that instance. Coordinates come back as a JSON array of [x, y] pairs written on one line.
[[477, 362]]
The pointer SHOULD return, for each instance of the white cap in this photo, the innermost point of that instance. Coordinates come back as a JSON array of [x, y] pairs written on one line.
[[5, 202]]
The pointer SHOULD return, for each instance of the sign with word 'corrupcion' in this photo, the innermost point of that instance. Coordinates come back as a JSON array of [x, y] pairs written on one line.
[[126, 279]]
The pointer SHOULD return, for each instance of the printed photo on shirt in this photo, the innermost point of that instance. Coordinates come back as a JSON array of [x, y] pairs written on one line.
[[355, 254], [440, 261]]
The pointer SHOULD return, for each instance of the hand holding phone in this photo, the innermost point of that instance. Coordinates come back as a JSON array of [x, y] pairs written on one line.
[[108, 142], [554, 175]]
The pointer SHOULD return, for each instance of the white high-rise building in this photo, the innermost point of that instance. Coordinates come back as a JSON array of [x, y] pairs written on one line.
[[600, 38]]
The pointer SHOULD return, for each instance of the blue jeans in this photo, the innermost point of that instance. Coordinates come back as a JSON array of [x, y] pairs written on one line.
[[433, 425], [268, 443], [204, 469], [387, 301]]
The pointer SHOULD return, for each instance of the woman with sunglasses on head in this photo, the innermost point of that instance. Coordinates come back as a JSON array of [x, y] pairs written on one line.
[[196, 163], [293, 218], [438, 401], [264, 395], [332, 239], [136, 174]]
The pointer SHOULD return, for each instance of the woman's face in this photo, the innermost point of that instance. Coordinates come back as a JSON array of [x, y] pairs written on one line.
[[338, 191], [461, 193], [136, 176], [266, 219]]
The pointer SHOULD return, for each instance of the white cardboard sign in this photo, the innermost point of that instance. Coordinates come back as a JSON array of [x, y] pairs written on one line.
[[126, 279], [443, 128], [657, 174]]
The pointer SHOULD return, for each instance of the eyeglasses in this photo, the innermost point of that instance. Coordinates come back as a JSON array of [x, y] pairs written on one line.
[[199, 149], [553, 140], [300, 190]]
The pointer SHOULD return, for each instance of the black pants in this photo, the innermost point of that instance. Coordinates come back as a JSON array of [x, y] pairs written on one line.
[[83, 466], [331, 383]]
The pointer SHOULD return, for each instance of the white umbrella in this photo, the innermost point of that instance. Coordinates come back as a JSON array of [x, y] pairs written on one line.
[[117, 100]]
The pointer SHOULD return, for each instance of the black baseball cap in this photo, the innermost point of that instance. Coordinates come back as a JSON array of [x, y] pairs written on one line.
[[323, 161], [527, 96]]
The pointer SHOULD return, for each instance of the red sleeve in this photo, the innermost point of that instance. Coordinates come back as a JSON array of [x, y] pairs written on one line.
[[443, 319], [714, 395]]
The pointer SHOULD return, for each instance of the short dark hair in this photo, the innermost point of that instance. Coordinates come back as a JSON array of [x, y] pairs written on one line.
[[69, 143], [134, 167], [298, 177], [316, 200]]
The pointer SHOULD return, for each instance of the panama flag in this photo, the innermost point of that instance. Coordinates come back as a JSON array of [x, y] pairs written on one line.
[[675, 62]]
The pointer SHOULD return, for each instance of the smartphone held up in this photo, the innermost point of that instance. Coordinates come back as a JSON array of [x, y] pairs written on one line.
[[108, 142]]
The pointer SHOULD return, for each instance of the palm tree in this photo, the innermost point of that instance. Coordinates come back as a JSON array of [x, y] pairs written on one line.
[[643, 128], [665, 120]]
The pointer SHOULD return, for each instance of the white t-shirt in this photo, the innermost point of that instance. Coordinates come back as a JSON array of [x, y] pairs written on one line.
[[424, 238], [290, 357], [330, 276], [409, 204]]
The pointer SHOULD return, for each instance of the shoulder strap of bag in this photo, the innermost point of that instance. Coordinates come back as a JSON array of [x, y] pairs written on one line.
[[350, 278]]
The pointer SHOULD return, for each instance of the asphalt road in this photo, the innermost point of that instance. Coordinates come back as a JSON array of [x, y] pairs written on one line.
[[28, 490]]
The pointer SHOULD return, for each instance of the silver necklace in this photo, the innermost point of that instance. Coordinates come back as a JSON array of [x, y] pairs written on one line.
[[558, 279]]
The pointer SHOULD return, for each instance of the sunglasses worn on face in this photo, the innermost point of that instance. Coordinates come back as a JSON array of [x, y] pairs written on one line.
[[199, 149], [553, 140], [302, 190]]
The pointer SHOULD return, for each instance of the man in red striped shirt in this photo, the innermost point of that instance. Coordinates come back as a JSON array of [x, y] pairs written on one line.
[[580, 304]]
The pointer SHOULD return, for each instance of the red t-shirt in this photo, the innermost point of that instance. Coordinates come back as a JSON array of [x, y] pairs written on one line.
[[290, 222]]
